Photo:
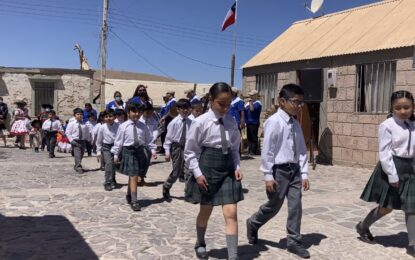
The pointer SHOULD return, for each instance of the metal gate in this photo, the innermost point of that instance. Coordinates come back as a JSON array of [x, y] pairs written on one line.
[[44, 94]]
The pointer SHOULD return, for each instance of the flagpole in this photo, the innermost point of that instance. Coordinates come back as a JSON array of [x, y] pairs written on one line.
[[234, 47]]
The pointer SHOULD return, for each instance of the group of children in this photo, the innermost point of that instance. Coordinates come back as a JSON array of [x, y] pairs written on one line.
[[204, 150]]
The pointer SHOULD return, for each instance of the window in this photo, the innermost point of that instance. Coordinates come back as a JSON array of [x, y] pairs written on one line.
[[266, 84], [375, 84], [44, 94]]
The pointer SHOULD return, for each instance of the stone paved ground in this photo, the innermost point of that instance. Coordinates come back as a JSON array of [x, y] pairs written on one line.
[[49, 212]]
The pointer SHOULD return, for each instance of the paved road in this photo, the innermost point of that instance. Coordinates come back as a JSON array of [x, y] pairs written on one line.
[[49, 212]]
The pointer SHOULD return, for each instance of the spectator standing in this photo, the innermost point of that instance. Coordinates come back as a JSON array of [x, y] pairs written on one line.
[[117, 103], [191, 95], [88, 110], [4, 112], [252, 115]]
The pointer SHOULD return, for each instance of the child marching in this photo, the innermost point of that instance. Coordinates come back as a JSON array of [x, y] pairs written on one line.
[[51, 127], [392, 184], [174, 145], [132, 138], [104, 142], [284, 164], [148, 118], [78, 133], [212, 155]]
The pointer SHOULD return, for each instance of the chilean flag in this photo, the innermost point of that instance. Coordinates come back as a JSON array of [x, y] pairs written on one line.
[[230, 17]]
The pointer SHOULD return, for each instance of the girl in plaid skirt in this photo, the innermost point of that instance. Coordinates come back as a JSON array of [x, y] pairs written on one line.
[[392, 184], [131, 140], [212, 155]]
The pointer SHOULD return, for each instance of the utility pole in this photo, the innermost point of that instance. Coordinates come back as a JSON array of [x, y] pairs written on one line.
[[233, 70], [103, 54]]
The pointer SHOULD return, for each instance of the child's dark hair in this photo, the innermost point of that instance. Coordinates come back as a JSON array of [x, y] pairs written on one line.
[[290, 90], [183, 103], [148, 106], [77, 111], [53, 112], [101, 116], [119, 112], [219, 87], [197, 104], [110, 112], [135, 107], [91, 116], [398, 95]]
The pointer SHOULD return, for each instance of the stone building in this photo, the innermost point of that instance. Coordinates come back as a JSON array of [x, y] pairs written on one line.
[[65, 89], [348, 63], [157, 86]]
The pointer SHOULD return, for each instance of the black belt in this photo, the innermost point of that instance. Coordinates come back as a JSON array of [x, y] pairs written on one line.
[[284, 165]]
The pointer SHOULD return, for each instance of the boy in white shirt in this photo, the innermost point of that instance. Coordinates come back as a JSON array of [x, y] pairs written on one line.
[[78, 133], [104, 142], [51, 127], [285, 167], [174, 144]]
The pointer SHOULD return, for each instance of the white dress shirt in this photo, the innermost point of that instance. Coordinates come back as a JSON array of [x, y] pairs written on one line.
[[278, 146], [191, 117], [95, 130], [395, 144], [106, 135], [205, 132], [125, 137], [152, 126], [72, 131], [56, 126], [174, 132]]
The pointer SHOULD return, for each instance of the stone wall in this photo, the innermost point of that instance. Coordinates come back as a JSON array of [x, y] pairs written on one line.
[[350, 138], [71, 91], [355, 135]]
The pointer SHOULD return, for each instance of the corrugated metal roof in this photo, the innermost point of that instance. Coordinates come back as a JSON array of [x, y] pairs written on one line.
[[379, 26]]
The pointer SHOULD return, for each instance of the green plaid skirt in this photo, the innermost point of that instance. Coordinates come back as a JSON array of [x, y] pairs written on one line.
[[134, 160], [219, 172], [378, 189]]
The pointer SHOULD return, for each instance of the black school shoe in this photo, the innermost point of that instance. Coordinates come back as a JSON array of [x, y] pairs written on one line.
[[251, 234], [364, 234], [410, 250], [108, 187], [200, 251], [298, 249], [113, 185], [135, 206], [166, 194]]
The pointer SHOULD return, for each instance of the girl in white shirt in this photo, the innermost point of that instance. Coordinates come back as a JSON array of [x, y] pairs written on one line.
[[392, 184], [212, 155], [132, 138]]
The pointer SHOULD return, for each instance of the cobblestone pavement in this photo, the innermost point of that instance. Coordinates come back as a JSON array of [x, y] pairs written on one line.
[[47, 211]]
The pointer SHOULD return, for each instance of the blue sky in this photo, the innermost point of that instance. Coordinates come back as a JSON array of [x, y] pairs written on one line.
[[163, 37]]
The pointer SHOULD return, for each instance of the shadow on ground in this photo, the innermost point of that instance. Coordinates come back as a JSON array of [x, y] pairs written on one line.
[[47, 237], [248, 252], [398, 240]]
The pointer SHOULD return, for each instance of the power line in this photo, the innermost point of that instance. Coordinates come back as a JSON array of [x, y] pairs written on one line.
[[144, 21], [190, 34], [139, 55], [221, 35], [181, 54], [88, 17]]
